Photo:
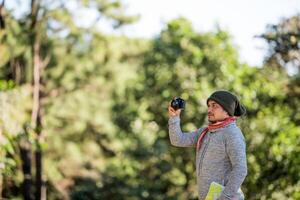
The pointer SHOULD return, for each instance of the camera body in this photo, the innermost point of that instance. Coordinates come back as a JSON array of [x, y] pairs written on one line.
[[178, 103]]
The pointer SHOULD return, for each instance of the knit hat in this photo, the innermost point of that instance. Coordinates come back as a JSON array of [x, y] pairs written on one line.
[[229, 102]]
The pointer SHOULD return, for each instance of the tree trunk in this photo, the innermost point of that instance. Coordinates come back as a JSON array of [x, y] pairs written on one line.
[[36, 117], [25, 150], [1, 185], [2, 20]]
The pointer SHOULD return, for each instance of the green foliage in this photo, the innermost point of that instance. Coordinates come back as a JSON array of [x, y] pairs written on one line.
[[14, 105], [283, 40], [105, 104]]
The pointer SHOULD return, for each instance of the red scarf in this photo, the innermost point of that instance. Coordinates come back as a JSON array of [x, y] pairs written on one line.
[[213, 127]]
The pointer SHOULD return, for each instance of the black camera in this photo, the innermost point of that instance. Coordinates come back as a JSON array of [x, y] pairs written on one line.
[[178, 103]]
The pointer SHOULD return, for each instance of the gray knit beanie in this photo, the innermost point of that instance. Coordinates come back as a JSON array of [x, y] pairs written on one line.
[[229, 102]]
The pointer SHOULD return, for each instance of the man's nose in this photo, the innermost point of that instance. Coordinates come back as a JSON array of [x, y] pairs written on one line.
[[209, 109]]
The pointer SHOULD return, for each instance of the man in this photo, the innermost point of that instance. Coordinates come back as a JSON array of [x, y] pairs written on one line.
[[220, 147]]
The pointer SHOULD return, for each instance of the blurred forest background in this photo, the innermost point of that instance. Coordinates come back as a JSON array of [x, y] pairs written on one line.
[[84, 114]]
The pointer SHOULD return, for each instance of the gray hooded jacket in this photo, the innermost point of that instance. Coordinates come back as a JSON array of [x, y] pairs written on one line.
[[221, 157]]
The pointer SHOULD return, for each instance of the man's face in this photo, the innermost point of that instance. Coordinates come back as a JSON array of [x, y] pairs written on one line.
[[215, 112]]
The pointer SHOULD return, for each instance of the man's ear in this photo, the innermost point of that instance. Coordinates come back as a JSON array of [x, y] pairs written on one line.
[[226, 112]]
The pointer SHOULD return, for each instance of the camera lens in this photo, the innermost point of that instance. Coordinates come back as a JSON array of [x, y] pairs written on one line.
[[178, 103]]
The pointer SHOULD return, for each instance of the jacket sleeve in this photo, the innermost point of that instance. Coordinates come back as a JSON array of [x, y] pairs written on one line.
[[179, 138], [236, 151]]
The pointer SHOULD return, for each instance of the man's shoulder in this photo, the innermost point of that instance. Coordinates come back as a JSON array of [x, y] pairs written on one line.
[[233, 131]]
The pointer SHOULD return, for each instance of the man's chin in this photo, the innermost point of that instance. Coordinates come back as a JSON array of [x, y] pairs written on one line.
[[211, 121]]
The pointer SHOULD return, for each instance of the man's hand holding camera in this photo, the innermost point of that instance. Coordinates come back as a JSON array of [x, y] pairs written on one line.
[[176, 106], [173, 112]]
